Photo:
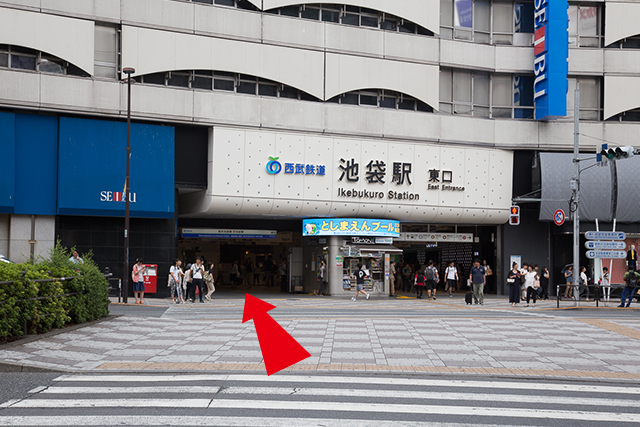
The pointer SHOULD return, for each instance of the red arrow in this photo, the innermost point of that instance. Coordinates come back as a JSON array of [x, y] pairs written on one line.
[[279, 349]]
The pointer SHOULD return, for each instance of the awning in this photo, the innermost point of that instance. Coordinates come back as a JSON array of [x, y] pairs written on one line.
[[597, 184], [376, 249]]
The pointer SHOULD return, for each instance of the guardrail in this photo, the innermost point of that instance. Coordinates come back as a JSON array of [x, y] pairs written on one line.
[[597, 293], [54, 279]]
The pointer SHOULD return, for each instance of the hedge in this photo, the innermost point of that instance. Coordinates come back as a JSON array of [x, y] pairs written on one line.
[[89, 299]]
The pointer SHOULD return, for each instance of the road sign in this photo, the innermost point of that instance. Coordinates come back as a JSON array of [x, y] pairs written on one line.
[[558, 217], [606, 254], [604, 245], [605, 235]]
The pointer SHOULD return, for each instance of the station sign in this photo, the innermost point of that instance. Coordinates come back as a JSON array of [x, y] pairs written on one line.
[[606, 254], [209, 233], [605, 235], [605, 245], [350, 227]]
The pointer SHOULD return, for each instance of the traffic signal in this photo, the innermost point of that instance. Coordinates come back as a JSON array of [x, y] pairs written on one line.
[[617, 153], [514, 215]]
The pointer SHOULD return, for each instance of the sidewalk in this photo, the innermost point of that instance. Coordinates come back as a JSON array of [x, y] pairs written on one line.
[[541, 346]]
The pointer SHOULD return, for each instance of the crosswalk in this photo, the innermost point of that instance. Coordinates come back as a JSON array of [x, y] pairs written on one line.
[[319, 400]]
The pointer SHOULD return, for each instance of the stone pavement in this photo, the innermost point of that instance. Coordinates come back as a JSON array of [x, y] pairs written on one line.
[[537, 347]]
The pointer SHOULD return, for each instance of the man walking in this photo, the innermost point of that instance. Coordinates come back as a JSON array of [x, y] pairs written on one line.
[[392, 279], [360, 274], [431, 274], [631, 279], [197, 276], [477, 278]]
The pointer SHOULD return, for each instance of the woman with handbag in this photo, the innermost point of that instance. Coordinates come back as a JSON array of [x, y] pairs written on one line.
[[532, 282], [513, 280], [208, 280]]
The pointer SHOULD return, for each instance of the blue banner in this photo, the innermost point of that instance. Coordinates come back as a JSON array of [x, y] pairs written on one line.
[[550, 66], [92, 169], [350, 227]]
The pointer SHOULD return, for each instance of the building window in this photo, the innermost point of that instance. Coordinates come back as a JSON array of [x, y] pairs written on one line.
[[351, 15], [105, 61], [584, 26], [381, 98], [590, 97], [480, 94], [486, 21], [20, 58], [240, 4]]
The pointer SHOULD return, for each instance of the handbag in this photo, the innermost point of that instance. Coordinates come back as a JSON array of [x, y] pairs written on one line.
[[536, 284], [511, 280], [489, 271], [169, 281]]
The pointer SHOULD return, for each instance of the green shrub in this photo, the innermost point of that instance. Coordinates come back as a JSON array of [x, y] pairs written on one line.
[[18, 306]]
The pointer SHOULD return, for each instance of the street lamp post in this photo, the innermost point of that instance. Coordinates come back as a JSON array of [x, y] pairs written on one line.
[[125, 283]]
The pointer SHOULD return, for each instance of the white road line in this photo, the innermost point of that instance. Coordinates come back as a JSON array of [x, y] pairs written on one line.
[[37, 390], [427, 396], [132, 390], [113, 403], [306, 379], [142, 420], [333, 407]]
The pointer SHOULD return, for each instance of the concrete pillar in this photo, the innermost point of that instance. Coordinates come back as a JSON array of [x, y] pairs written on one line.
[[25, 231], [4, 235], [335, 272]]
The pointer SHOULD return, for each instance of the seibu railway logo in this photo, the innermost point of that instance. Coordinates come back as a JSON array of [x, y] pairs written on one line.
[[116, 196], [551, 51]]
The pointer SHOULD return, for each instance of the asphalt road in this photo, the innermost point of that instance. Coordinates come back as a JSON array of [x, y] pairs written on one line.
[[319, 400]]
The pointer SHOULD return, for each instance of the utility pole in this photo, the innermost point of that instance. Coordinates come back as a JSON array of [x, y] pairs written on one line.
[[575, 199], [125, 274]]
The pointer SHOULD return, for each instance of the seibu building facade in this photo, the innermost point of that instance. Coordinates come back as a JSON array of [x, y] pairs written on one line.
[[255, 115]]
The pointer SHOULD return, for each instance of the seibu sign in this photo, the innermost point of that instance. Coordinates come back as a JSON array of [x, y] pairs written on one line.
[[550, 66]]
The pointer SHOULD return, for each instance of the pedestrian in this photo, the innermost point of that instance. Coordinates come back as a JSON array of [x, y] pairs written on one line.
[[75, 258], [284, 278], [399, 279], [392, 279], [530, 279], [197, 275], [175, 280], [488, 272], [583, 284], [632, 258], [605, 284], [406, 278], [631, 282], [544, 284], [419, 282], [568, 277], [187, 282], [514, 282], [138, 281], [432, 280], [322, 277], [477, 279], [523, 288], [234, 274], [209, 280], [451, 274], [360, 275]]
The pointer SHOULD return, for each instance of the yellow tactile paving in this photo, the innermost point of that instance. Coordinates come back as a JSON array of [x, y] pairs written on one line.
[[613, 327], [349, 367]]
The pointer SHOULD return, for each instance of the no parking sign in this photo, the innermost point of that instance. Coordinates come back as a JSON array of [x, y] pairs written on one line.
[[558, 217]]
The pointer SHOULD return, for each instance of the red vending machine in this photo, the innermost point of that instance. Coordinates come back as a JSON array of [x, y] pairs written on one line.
[[150, 275]]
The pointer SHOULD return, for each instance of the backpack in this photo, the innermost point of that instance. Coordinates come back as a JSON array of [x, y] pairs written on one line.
[[632, 280], [430, 274], [420, 278]]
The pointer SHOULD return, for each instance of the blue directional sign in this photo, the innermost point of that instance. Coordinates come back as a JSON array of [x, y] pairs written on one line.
[[605, 245], [605, 235], [606, 254]]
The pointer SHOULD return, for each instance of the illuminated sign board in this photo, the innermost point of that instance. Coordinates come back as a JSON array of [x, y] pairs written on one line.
[[350, 227], [550, 66]]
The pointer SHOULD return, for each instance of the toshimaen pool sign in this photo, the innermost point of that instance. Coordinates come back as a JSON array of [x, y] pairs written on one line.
[[550, 66]]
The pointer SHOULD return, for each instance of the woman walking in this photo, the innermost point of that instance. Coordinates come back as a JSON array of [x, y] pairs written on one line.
[[208, 281], [175, 279], [568, 277], [530, 281], [513, 280]]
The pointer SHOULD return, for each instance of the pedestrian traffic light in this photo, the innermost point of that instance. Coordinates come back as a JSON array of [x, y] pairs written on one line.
[[617, 153], [514, 215]]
